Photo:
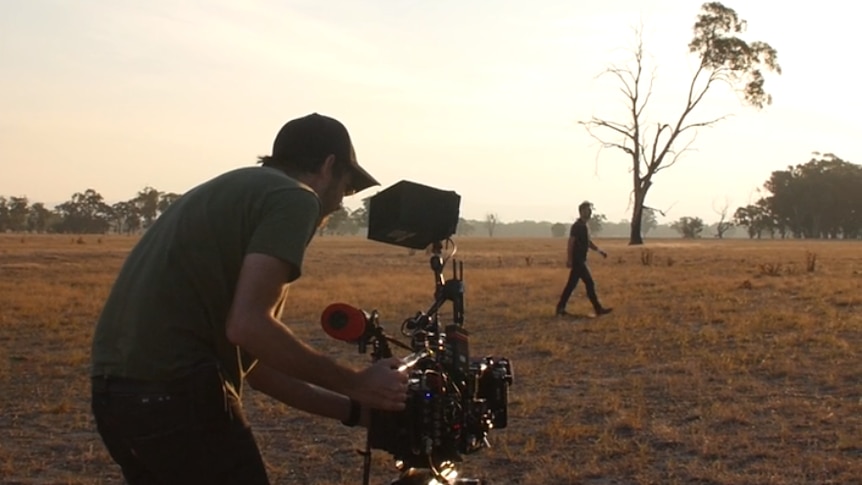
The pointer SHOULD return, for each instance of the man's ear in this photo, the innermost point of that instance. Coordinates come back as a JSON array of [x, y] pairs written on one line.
[[328, 168]]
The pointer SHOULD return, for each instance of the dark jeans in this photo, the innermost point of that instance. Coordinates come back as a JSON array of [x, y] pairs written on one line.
[[579, 271], [187, 431]]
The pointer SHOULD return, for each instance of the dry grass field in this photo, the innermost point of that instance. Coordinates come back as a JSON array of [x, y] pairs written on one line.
[[724, 362]]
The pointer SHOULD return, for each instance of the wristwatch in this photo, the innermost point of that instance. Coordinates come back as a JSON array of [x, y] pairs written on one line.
[[355, 412]]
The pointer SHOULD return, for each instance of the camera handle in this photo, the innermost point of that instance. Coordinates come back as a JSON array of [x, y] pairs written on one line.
[[447, 290], [380, 349]]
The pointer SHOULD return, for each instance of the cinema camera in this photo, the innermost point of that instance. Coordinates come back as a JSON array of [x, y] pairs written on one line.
[[452, 401]]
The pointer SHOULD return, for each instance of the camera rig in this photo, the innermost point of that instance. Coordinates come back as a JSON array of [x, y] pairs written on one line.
[[452, 401]]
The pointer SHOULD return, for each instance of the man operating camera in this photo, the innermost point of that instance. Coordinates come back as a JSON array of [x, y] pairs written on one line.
[[195, 312]]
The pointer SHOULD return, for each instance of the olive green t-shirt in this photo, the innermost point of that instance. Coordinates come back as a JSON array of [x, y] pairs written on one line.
[[167, 310]]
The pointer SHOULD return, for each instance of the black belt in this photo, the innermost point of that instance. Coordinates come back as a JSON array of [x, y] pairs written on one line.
[[126, 385], [103, 384]]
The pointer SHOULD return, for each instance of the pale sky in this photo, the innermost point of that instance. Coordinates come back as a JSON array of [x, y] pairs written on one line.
[[479, 97]]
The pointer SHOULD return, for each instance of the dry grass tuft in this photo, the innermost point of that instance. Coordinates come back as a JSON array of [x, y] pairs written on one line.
[[771, 269], [646, 257], [810, 261]]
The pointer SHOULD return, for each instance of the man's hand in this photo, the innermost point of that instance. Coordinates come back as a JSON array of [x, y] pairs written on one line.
[[382, 386], [604, 254]]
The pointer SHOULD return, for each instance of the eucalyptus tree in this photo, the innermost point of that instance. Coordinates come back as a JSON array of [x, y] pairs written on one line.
[[723, 58]]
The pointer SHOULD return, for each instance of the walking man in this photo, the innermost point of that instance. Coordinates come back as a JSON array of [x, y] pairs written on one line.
[[579, 242]]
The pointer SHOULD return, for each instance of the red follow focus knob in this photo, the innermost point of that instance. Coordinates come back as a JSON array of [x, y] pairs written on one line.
[[344, 322]]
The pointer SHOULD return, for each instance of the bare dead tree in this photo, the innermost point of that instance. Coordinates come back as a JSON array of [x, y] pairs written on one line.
[[724, 224], [724, 58], [491, 221]]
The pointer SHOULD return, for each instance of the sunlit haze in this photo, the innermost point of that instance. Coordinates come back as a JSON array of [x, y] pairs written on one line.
[[481, 97]]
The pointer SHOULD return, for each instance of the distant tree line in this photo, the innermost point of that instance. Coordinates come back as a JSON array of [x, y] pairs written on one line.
[[821, 199], [85, 213], [345, 222], [818, 199], [599, 223]]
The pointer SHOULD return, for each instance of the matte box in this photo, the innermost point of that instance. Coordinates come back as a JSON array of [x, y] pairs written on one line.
[[412, 215]]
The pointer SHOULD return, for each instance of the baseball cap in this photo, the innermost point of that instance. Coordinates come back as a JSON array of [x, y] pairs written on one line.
[[316, 135]]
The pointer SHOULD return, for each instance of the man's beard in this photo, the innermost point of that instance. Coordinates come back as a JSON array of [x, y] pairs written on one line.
[[328, 195]]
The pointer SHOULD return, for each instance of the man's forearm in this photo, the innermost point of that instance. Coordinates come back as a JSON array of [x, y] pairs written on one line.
[[299, 394], [275, 345]]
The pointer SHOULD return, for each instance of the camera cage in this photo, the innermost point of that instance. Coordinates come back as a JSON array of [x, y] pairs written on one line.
[[452, 401], [442, 376]]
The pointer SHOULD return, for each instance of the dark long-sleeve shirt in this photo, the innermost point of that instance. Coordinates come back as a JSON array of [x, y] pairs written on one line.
[[579, 241]]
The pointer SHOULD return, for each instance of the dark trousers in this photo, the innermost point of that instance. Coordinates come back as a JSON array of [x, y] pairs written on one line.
[[579, 271], [187, 431]]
